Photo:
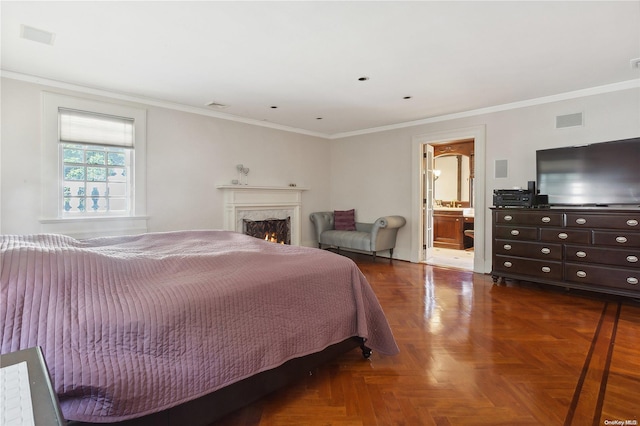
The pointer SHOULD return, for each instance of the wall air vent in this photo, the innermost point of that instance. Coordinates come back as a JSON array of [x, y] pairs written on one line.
[[569, 120]]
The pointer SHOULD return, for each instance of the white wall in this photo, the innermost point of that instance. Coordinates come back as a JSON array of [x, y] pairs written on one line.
[[373, 172], [187, 156]]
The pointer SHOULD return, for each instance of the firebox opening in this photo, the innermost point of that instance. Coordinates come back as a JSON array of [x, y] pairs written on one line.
[[274, 230]]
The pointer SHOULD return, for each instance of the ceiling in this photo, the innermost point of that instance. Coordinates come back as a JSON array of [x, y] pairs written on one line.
[[422, 59]]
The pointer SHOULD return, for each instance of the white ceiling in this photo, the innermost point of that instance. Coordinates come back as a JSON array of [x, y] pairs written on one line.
[[306, 57]]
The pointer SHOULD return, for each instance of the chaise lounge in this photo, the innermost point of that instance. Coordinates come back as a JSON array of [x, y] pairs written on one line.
[[345, 233]]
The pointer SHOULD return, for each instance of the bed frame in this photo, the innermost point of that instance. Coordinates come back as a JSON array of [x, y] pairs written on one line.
[[214, 406]]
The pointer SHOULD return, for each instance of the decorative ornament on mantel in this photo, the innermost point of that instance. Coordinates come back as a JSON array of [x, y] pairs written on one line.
[[243, 175]]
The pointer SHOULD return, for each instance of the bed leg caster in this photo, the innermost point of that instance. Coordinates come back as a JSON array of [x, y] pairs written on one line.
[[366, 351]]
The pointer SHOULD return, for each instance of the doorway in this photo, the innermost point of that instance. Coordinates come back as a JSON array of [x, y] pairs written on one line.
[[451, 216], [422, 226]]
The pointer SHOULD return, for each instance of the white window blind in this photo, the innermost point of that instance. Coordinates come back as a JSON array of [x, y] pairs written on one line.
[[91, 128]]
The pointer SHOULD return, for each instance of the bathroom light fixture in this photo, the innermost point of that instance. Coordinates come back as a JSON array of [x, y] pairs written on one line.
[[436, 174], [635, 63]]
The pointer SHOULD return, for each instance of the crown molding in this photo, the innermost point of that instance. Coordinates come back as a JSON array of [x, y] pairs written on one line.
[[155, 102], [608, 88]]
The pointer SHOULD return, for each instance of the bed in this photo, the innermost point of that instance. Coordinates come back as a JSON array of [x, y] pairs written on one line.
[[137, 328]]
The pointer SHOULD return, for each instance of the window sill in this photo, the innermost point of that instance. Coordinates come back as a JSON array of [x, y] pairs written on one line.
[[88, 227]]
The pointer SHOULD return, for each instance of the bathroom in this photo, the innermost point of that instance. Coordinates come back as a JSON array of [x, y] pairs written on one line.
[[453, 215]]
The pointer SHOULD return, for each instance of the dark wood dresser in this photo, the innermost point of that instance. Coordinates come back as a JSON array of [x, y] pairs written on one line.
[[595, 249]]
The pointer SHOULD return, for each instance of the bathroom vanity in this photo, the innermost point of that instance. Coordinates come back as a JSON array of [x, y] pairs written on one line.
[[449, 224]]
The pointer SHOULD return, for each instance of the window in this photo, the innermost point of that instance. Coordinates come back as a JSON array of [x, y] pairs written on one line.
[[93, 167], [96, 166]]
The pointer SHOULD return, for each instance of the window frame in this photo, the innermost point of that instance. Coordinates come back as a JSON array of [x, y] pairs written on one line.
[[128, 152], [83, 226]]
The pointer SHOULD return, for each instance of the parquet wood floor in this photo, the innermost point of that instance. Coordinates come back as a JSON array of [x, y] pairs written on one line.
[[474, 353]]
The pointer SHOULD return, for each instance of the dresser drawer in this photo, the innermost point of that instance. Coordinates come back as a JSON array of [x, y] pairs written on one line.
[[602, 255], [628, 279], [533, 268], [528, 249], [611, 221], [562, 235], [516, 233], [617, 239], [538, 218]]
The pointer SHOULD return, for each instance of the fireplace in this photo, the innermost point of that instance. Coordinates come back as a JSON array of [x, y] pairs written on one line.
[[274, 230], [260, 203]]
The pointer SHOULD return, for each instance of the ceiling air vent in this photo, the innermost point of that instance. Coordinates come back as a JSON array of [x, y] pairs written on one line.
[[217, 105], [37, 35], [569, 120]]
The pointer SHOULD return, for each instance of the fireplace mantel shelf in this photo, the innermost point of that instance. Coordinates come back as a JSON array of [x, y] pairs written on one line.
[[244, 187]]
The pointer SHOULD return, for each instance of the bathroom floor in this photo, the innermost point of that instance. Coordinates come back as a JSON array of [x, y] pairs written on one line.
[[461, 259]]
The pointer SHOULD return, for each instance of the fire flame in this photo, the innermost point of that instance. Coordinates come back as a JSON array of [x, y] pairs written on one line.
[[272, 237]]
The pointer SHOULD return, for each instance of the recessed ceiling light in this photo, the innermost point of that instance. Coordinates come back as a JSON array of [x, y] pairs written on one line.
[[34, 34], [407, 97], [217, 105], [363, 79], [273, 107], [318, 118]]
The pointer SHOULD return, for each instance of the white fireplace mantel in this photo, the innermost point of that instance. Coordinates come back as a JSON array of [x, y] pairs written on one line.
[[260, 203]]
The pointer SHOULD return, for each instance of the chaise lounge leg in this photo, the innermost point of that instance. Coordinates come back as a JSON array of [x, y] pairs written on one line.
[[391, 255], [374, 256]]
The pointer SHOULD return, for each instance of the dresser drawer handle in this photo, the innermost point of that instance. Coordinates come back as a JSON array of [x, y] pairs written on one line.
[[508, 218], [632, 259], [632, 280], [621, 240], [546, 269], [515, 232], [581, 221], [632, 222], [581, 274], [563, 236], [581, 254], [507, 246], [508, 264], [545, 250], [546, 219]]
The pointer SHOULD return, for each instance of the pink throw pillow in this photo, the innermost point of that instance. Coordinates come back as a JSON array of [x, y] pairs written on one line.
[[344, 220]]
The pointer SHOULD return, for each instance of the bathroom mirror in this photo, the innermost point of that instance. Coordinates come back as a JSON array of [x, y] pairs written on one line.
[[455, 163]]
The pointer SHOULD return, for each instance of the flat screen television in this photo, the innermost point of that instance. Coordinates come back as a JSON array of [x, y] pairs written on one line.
[[600, 174]]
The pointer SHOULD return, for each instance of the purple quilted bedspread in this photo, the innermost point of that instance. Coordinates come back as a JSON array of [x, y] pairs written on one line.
[[137, 324]]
